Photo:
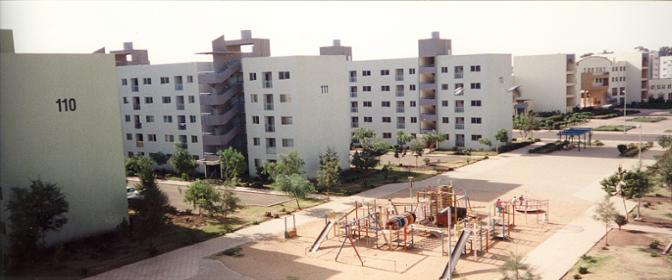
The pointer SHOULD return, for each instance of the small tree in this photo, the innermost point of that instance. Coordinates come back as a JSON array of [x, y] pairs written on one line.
[[295, 185], [605, 213], [228, 202], [183, 163], [433, 138], [485, 142], [665, 141], [152, 210], [620, 220], [159, 158], [231, 164], [288, 164], [403, 138], [515, 269], [637, 184], [614, 185], [131, 165], [363, 136], [32, 213], [202, 196], [328, 175], [502, 136], [417, 147], [665, 170], [526, 123]]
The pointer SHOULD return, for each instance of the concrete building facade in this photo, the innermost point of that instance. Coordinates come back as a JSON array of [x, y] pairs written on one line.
[[60, 124], [296, 103], [612, 78], [665, 68], [661, 88], [546, 82]]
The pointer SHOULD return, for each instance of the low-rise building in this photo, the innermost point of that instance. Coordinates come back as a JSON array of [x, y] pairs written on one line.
[[546, 82]]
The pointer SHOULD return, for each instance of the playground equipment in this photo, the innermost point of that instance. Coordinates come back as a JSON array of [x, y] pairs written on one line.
[[460, 247], [291, 233], [534, 206], [503, 219]]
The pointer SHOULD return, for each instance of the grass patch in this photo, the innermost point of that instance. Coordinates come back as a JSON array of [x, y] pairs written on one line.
[[647, 119], [613, 128], [353, 183]]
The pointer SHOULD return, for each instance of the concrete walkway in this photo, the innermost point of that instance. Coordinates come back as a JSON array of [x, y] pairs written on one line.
[[648, 229]]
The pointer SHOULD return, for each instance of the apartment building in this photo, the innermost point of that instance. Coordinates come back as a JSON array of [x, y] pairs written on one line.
[[661, 88], [459, 95], [160, 107], [545, 83], [59, 123], [665, 68], [613, 78], [296, 103]]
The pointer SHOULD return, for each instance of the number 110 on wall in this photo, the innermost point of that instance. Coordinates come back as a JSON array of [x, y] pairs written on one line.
[[66, 104]]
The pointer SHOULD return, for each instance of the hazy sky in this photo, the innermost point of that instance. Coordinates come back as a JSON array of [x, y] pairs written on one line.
[[173, 30]]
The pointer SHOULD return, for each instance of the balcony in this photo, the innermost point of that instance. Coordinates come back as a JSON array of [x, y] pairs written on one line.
[[427, 69], [179, 86], [401, 126], [459, 109], [399, 93], [267, 84], [458, 75], [135, 88], [354, 124], [270, 127], [428, 117], [139, 144], [354, 109], [182, 145], [353, 79], [219, 119], [353, 94], [182, 126], [220, 140], [179, 106], [138, 125], [270, 150], [400, 109], [427, 101], [428, 85], [399, 77], [268, 106], [136, 106], [459, 126]]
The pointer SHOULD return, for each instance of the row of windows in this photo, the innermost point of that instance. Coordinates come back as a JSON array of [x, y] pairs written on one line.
[[166, 118], [164, 99], [474, 137], [163, 80], [286, 120], [131, 154], [618, 79], [366, 119], [268, 98], [618, 68], [383, 72], [460, 69], [270, 142], [669, 86], [169, 138], [268, 76]]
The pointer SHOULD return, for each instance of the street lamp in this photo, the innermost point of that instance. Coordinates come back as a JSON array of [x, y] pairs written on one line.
[[625, 103], [640, 147]]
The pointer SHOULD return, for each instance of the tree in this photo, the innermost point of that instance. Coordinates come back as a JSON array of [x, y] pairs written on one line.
[[620, 220], [364, 161], [502, 136], [514, 268], [183, 163], [665, 141], [154, 204], [636, 184], [32, 213], [131, 165], [228, 202], [231, 164], [363, 136], [403, 138], [665, 169], [526, 123], [328, 175], [288, 164], [202, 196], [605, 213], [159, 158], [485, 141], [295, 185], [417, 147], [614, 185], [433, 138]]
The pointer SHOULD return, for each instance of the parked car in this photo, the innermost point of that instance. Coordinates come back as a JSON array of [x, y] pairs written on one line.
[[132, 193]]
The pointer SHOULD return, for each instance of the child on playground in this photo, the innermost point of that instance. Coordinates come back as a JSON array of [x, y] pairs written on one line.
[[498, 206]]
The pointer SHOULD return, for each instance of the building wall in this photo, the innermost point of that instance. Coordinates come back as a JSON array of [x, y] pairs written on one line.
[[79, 149], [158, 109], [495, 112], [545, 80], [665, 69], [661, 88], [376, 81], [319, 116]]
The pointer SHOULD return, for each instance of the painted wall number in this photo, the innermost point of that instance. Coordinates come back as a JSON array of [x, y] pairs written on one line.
[[66, 104]]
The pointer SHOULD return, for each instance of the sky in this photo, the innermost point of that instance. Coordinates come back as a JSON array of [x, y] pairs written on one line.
[[173, 31]]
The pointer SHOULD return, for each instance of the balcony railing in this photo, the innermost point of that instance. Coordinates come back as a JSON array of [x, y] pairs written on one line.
[[459, 126], [268, 106], [353, 94], [179, 106], [400, 110], [399, 93], [267, 84], [458, 75], [139, 144], [353, 79], [354, 124], [354, 109], [182, 145], [182, 126], [399, 78], [138, 125], [401, 125], [270, 150], [179, 86], [270, 128], [135, 88], [459, 109], [136, 106]]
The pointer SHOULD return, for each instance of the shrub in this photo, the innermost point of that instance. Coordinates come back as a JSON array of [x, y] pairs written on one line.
[[620, 221], [577, 276], [622, 148], [583, 270], [655, 244]]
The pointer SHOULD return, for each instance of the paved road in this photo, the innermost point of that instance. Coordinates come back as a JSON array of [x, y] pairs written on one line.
[[631, 136]]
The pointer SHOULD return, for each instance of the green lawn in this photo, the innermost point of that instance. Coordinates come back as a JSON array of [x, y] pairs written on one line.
[[648, 119], [613, 128]]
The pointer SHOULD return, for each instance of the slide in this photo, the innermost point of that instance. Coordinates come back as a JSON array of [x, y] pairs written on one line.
[[321, 237], [457, 252]]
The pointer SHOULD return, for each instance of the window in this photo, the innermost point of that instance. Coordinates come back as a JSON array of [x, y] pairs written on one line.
[[411, 87], [169, 138], [384, 72], [475, 103], [146, 81], [256, 141], [151, 137], [267, 80], [129, 136], [127, 118], [255, 119], [268, 102], [476, 120], [475, 137], [287, 142], [384, 88], [444, 103], [354, 122], [253, 98], [167, 119], [149, 100], [414, 119], [459, 72], [257, 163], [194, 139], [192, 99], [366, 88], [411, 71], [366, 72], [353, 76], [459, 85], [192, 119], [270, 145], [165, 80], [124, 82], [475, 85], [125, 100], [387, 119], [444, 86], [411, 103], [614, 91], [253, 76], [149, 118], [367, 103], [444, 69], [387, 135], [134, 84], [286, 120], [368, 119], [445, 120], [284, 98], [353, 91], [190, 79], [353, 107], [385, 104], [475, 68], [283, 75], [270, 123], [165, 99]]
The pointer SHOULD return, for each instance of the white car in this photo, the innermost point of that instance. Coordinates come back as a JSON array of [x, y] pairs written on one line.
[[132, 193]]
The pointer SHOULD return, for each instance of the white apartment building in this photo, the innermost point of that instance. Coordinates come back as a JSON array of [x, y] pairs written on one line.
[[545, 83], [612, 78], [661, 88], [384, 96], [665, 68], [59, 123], [296, 103], [160, 107]]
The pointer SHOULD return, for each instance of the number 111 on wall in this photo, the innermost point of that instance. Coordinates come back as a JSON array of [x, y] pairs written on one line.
[[66, 104]]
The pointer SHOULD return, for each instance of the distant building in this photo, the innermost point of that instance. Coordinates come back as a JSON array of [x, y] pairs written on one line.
[[661, 88], [59, 123], [665, 67], [611, 78], [545, 82]]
